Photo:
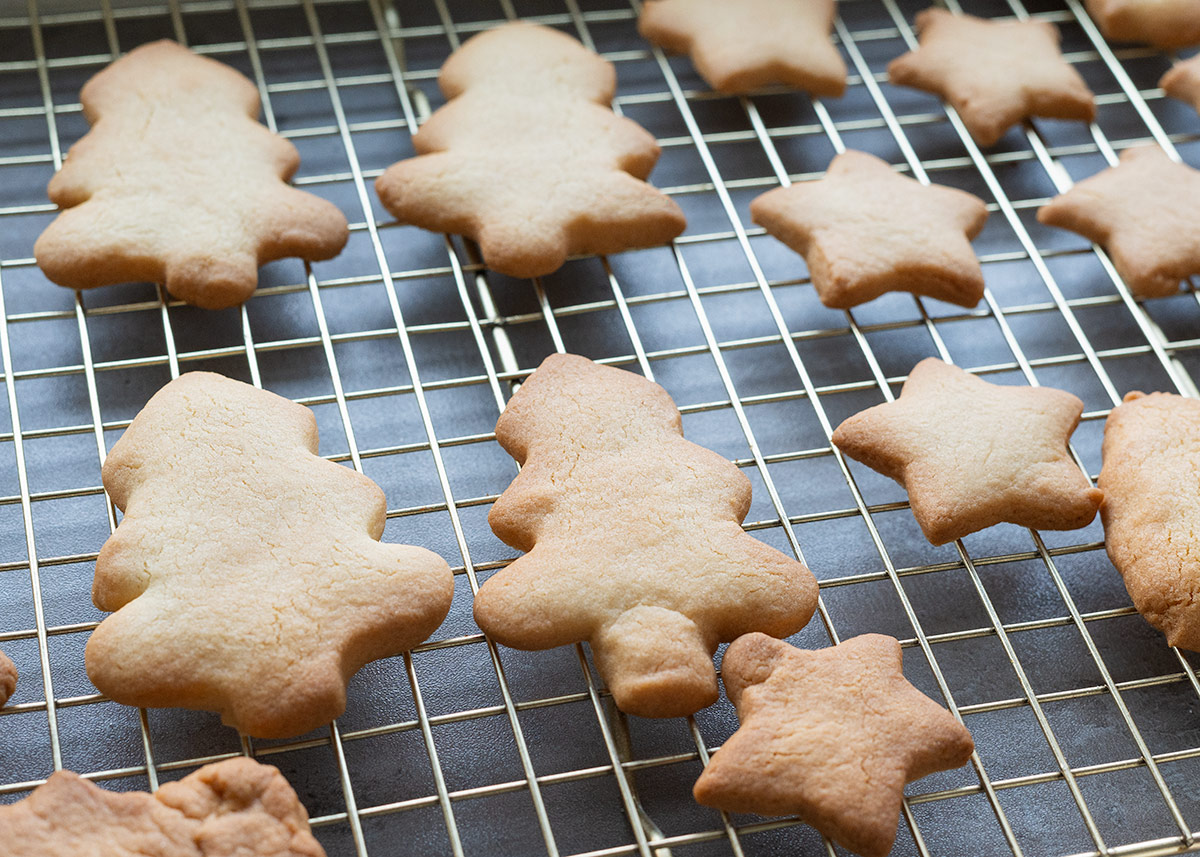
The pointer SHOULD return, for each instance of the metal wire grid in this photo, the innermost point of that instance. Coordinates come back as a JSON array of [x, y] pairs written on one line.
[[507, 345]]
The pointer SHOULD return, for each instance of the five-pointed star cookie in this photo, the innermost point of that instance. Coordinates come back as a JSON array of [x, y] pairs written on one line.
[[973, 454], [994, 73], [1183, 81], [738, 47], [864, 230], [1145, 212], [830, 735], [1165, 24]]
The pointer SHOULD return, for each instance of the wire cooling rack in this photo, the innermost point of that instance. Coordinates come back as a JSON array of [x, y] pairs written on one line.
[[1086, 722]]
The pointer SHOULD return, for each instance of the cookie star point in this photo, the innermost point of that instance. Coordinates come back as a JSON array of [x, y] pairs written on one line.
[[739, 47], [864, 230], [1144, 212], [973, 454], [814, 723], [994, 73]]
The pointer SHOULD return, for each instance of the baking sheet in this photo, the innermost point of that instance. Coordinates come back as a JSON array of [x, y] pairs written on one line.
[[1086, 722]]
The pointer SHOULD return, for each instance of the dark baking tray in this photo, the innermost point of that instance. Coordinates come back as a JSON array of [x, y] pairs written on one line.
[[1086, 722]]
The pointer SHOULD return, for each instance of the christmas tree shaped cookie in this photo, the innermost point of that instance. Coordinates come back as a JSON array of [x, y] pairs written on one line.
[[528, 160], [178, 183], [247, 573], [634, 540], [234, 808]]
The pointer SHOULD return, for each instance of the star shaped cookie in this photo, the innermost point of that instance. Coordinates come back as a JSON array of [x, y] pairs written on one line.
[[830, 735], [1166, 24], [994, 73], [864, 229], [973, 454], [738, 47], [1145, 212], [1183, 81]]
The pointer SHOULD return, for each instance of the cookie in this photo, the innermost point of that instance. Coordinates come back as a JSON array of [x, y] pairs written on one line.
[[1182, 81], [1144, 213], [527, 158], [1151, 510], [178, 183], [864, 230], [1166, 24], [8, 679], [247, 575], [743, 46], [831, 736], [973, 454], [633, 537], [236, 807], [994, 73]]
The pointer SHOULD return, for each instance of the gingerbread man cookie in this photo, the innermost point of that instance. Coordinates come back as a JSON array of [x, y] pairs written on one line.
[[633, 537], [1182, 81], [1166, 24], [8, 679], [236, 807], [973, 454], [865, 230], [247, 573], [178, 183], [527, 158], [1151, 510], [994, 73], [1144, 212], [831, 736], [739, 47]]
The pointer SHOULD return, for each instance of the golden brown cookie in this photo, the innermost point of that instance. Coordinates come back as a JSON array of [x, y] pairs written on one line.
[[178, 183], [1182, 81], [742, 46], [633, 537], [8, 679], [247, 573], [864, 230], [235, 808], [1166, 24], [830, 735], [1151, 510], [994, 73], [1144, 213], [528, 159], [973, 454]]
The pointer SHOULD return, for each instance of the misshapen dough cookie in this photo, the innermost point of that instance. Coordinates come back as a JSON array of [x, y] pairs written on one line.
[[528, 160], [973, 454], [178, 183], [8, 679], [865, 230], [1151, 511], [1165, 24], [831, 736], [247, 573], [745, 45], [235, 808], [1144, 213], [633, 537], [1183, 81], [994, 73]]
